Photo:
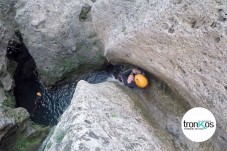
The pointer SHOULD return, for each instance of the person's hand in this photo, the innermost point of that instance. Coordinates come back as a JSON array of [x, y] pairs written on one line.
[[136, 71], [130, 78]]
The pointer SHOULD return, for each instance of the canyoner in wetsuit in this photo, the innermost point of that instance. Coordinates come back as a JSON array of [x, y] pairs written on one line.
[[134, 78], [37, 101]]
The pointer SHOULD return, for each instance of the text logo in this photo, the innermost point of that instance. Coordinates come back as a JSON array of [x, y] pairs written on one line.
[[198, 124]]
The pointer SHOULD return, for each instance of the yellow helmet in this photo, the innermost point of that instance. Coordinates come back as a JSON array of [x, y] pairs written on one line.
[[38, 94], [141, 81]]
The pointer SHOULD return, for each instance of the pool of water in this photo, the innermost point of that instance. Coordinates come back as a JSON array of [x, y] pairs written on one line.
[[54, 101]]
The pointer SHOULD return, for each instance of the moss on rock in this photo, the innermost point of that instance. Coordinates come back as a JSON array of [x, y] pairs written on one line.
[[59, 136], [10, 101], [84, 12], [30, 138], [20, 134]]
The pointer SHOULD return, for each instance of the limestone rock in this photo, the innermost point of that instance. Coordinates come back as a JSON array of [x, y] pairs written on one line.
[[7, 12], [2, 95], [116, 109], [181, 42], [60, 37], [17, 132], [9, 121], [103, 117], [6, 82]]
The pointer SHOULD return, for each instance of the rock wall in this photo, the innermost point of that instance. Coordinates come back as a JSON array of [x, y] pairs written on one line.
[[181, 42], [6, 32], [16, 131], [60, 37]]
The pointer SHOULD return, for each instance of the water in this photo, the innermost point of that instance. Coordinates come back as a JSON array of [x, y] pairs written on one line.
[[54, 101]]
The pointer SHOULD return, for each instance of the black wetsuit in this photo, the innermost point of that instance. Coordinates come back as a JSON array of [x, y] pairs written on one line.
[[37, 103], [124, 77]]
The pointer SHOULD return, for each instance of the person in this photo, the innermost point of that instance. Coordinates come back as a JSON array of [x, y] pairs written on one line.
[[134, 78], [37, 101]]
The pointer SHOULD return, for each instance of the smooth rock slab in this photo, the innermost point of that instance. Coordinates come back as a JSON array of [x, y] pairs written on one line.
[[103, 117]]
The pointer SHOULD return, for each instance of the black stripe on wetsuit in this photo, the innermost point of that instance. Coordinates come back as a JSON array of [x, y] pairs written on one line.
[[124, 77]]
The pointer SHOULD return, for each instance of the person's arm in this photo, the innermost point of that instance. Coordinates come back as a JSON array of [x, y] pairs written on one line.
[[136, 71], [125, 75]]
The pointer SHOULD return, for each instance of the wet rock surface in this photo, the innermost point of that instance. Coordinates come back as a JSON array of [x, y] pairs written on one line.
[[62, 44]]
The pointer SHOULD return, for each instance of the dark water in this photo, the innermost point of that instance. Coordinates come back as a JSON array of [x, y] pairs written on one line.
[[54, 102]]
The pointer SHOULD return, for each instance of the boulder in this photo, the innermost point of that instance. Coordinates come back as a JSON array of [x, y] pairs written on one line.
[[12, 117], [9, 122], [60, 37], [104, 117], [183, 43], [110, 116], [17, 132]]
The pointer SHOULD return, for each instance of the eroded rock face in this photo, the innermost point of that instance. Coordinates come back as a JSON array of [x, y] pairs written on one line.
[[17, 132], [10, 118], [181, 42], [9, 123], [60, 37], [103, 117], [6, 32]]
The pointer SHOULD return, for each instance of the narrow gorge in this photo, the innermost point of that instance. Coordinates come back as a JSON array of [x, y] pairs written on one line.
[[72, 51]]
